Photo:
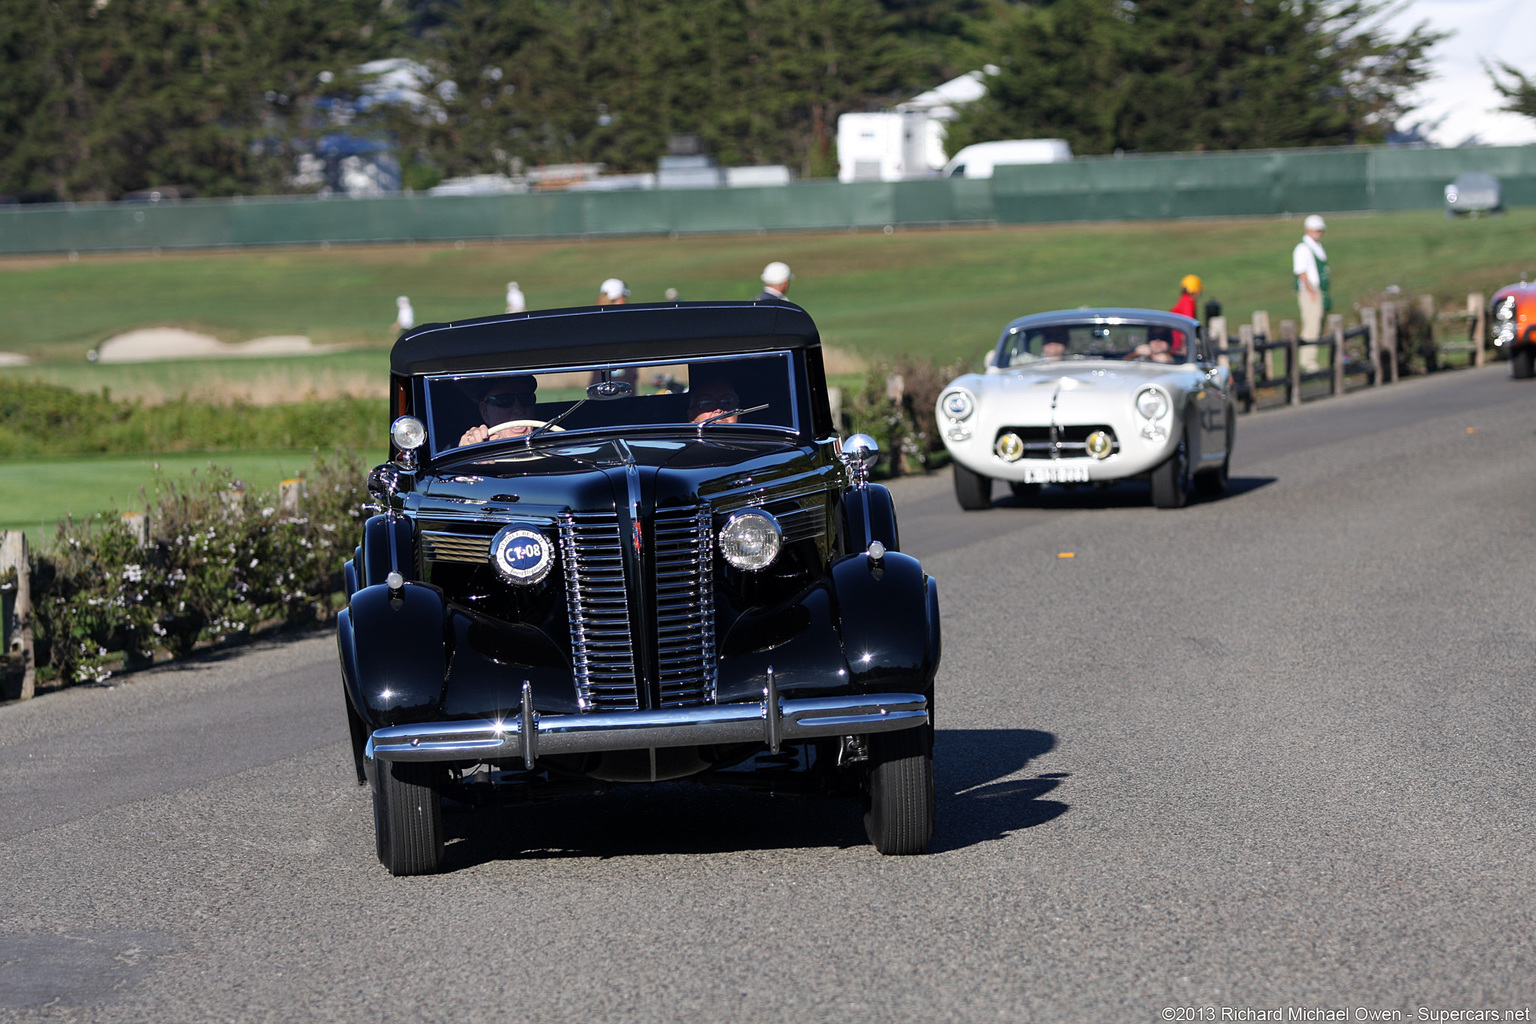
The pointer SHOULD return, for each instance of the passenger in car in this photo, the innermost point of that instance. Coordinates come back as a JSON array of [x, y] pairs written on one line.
[[503, 401]]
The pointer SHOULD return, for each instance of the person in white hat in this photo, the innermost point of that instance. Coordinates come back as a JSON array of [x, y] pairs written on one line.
[[405, 316], [516, 301], [1309, 266], [612, 293], [776, 278]]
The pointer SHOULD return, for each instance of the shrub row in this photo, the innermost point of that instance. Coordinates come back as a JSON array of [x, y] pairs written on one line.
[[896, 406], [37, 418], [208, 562]]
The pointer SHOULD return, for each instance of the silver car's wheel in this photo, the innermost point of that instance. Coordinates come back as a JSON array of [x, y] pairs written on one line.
[[1171, 480], [899, 820], [408, 818], [972, 490]]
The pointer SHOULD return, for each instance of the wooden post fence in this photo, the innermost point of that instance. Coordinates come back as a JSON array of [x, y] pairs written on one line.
[[1388, 369], [1292, 363], [1372, 343], [1336, 331], [18, 625], [1477, 308]]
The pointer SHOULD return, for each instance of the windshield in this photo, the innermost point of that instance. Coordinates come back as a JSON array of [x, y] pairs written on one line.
[[719, 395], [1094, 341]]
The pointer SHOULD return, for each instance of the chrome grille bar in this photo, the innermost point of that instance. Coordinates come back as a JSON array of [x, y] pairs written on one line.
[[685, 606], [443, 546], [602, 649]]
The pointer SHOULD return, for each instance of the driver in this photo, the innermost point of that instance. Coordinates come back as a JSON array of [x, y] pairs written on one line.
[[503, 401], [711, 396]]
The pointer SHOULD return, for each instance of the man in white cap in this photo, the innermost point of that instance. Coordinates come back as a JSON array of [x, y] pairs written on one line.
[[776, 278], [516, 301], [405, 316], [612, 293], [1309, 266]]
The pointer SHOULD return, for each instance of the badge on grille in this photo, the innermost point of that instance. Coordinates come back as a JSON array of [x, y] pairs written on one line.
[[522, 555]]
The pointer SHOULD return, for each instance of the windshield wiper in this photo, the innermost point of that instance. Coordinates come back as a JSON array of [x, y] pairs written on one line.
[[726, 415]]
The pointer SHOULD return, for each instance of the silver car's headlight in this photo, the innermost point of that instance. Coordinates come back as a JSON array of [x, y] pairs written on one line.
[[1152, 404], [751, 539], [957, 404]]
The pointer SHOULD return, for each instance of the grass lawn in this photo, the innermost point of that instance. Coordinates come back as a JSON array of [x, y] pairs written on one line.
[[40, 492], [940, 292]]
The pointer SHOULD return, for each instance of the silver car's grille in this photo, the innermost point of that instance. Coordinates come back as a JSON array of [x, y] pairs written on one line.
[[1070, 442], [443, 546], [685, 607], [602, 649]]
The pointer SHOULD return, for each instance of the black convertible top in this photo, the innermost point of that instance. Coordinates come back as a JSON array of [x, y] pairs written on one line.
[[591, 334]]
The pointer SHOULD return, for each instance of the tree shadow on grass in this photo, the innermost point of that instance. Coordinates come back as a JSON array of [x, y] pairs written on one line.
[[978, 801]]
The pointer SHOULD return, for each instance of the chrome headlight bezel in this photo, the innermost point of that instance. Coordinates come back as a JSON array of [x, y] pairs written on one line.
[[958, 404], [750, 540], [1152, 404]]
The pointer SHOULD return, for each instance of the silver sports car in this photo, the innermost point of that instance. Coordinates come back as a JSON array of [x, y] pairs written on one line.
[[1092, 396]]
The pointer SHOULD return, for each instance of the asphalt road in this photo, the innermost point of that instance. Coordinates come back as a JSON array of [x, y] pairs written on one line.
[[1267, 752]]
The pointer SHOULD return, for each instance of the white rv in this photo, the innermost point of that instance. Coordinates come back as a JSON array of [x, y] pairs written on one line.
[[978, 161]]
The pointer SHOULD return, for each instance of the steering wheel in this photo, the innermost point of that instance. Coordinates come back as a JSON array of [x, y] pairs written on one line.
[[509, 424]]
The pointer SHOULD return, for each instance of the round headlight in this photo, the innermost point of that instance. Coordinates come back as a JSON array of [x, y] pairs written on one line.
[[408, 433], [1152, 404], [1504, 309], [1009, 447], [958, 405], [751, 539]]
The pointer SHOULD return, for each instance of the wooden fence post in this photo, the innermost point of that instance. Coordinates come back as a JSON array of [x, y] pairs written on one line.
[[1262, 336], [1292, 363], [1216, 330], [1389, 341], [18, 631], [1245, 336], [1477, 309], [1372, 343], [1336, 329], [290, 495]]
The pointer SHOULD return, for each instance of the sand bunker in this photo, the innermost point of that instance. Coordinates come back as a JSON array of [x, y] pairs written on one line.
[[154, 343]]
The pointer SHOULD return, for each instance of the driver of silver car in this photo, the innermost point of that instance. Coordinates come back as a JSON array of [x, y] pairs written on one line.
[[506, 409]]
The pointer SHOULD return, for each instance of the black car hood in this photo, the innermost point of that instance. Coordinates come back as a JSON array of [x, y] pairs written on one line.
[[582, 473]]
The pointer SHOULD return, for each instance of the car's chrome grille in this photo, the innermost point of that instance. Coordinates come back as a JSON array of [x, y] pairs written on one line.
[[685, 607], [602, 649], [1065, 443], [443, 546]]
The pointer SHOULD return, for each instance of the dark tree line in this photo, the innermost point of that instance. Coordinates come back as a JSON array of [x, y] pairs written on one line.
[[102, 97]]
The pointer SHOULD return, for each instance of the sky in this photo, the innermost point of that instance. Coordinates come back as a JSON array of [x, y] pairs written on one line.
[[1460, 97]]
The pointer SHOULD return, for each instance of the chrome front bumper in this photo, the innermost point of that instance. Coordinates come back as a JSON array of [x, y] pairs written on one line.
[[527, 734]]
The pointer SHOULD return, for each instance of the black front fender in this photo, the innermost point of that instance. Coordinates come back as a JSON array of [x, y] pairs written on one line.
[[394, 653], [888, 615]]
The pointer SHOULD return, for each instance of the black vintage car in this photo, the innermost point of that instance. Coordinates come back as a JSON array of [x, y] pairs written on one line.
[[624, 545]]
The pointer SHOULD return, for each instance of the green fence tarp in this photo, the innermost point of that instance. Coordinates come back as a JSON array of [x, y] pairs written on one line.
[[1175, 185], [1265, 182]]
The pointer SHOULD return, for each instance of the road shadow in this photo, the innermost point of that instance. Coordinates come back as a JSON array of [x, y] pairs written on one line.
[[977, 802], [1124, 494]]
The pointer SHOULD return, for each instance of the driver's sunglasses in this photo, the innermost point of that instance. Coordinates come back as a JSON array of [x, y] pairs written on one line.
[[508, 399]]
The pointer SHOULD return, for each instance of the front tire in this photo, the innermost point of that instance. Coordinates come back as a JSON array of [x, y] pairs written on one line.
[[972, 490], [408, 818], [1522, 364], [1171, 480], [899, 820]]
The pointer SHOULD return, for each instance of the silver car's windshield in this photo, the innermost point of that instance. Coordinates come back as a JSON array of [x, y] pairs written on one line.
[[1148, 342], [472, 409]]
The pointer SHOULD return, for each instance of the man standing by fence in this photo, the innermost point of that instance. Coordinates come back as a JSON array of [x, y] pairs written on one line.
[[1309, 265]]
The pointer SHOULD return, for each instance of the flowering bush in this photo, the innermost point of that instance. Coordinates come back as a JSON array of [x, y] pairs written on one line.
[[902, 419], [207, 562]]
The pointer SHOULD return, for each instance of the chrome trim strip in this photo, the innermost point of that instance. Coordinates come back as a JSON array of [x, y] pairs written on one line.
[[758, 722]]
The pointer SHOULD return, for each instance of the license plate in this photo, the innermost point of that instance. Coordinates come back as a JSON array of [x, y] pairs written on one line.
[[1055, 474]]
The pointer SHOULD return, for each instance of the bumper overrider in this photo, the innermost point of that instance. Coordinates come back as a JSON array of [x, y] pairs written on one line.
[[528, 735]]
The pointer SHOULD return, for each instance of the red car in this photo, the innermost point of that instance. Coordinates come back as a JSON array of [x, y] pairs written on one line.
[[1513, 325]]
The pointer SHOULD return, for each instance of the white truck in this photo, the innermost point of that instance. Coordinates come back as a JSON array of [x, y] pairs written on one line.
[[977, 161]]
